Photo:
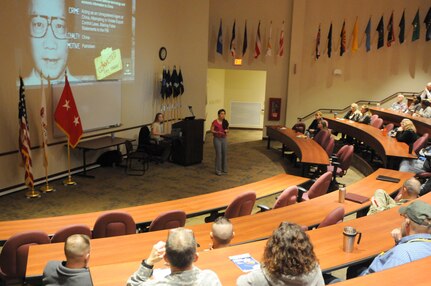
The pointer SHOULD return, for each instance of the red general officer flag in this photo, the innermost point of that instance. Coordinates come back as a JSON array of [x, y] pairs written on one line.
[[67, 116]]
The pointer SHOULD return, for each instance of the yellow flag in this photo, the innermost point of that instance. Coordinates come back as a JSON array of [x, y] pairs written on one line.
[[355, 37]]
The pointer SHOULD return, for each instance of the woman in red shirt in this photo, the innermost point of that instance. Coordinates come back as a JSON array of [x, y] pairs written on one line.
[[220, 128]]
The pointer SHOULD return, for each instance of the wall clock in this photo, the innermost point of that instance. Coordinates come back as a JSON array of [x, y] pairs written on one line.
[[163, 53]]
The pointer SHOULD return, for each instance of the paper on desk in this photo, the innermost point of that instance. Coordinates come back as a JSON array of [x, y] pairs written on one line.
[[245, 262]]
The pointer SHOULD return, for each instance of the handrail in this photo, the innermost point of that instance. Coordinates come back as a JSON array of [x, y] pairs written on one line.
[[359, 102]]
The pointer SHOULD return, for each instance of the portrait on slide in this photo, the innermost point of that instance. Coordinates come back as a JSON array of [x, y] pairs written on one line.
[[58, 36]]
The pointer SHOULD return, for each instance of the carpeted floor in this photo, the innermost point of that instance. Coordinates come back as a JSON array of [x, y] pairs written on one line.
[[248, 160]]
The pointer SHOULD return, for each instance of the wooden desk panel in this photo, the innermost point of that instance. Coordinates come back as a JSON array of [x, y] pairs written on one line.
[[146, 213], [307, 150], [423, 125], [413, 273], [101, 143], [327, 243], [385, 146], [259, 226]]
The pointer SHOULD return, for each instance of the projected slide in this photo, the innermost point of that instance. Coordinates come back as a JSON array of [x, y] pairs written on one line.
[[90, 39]]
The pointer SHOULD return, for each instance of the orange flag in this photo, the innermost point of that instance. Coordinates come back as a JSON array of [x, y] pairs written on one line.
[[355, 44], [67, 117]]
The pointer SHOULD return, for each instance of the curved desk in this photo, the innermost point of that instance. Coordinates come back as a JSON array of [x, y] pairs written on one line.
[[327, 242], [193, 206], [385, 146], [307, 150], [423, 125], [414, 273], [248, 228]]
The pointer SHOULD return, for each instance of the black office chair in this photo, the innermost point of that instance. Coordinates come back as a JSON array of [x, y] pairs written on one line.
[[140, 156], [149, 146]]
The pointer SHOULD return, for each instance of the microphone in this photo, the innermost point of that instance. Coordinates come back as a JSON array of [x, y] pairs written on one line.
[[191, 110]]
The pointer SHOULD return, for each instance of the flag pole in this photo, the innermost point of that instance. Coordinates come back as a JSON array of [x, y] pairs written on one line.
[[69, 181], [32, 194], [47, 188]]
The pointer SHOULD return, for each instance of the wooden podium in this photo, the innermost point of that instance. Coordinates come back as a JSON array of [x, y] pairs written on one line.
[[188, 148]]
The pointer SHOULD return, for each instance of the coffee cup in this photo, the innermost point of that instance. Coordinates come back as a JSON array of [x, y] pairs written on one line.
[[349, 236]]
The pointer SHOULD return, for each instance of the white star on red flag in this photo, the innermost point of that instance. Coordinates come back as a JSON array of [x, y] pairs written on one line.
[[66, 105]]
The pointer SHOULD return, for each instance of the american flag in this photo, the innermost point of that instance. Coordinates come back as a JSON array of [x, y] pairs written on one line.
[[24, 136], [281, 42]]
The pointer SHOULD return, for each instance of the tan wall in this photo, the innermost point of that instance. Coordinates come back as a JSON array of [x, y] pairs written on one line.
[[253, 11], [173, 24], [244, 86], [215, 94], [373, 75]]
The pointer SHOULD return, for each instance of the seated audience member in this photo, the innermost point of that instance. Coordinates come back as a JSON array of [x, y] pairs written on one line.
[[365, 115], [415, 106], [413, 239], [425, 110], [74, 270], [221, 233], [179, 252], [419, 165], [426, 94], [399, 104], [381, 201], [353, 113], [313, 128], [288, 259], [406, 132]]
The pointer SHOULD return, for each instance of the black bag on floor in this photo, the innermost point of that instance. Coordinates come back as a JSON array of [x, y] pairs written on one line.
[[110, 158]]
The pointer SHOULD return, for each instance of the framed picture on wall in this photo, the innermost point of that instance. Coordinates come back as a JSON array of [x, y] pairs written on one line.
[[274, 109]]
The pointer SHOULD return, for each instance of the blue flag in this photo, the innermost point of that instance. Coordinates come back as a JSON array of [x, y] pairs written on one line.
[[245, 42], [427, 22], [368, 36], [402, 27], [343, 39], [220, 39], [330, 41], [416, 27], [381, 30]]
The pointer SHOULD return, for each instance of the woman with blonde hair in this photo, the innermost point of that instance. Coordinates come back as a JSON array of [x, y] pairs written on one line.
[[353, 113], [288, 259], [406, 132], [365, 115], [313, 129]]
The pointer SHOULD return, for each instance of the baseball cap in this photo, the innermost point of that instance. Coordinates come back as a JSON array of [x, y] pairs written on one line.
[[418, 211]]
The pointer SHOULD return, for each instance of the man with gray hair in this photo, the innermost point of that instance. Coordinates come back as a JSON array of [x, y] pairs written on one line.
[[382, 201], [221, 233], [426, 94], [399, 105], [179, 252], [74, 270]]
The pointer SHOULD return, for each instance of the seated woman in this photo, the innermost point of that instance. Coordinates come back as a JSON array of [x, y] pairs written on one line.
[[365, 115], [157, 130], [406, 132], [288, 259], [313, 128], [425, 110], [415, 106], [353, 113]]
